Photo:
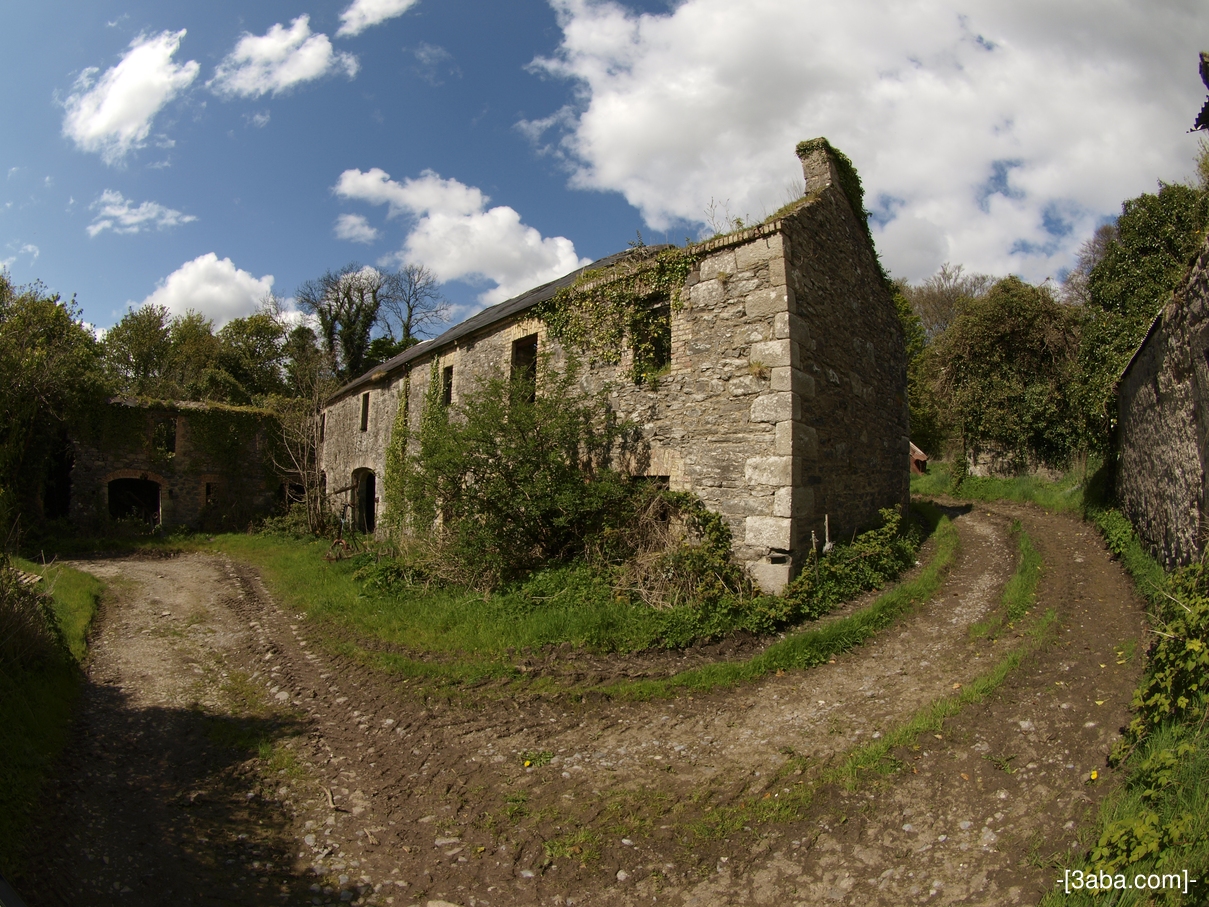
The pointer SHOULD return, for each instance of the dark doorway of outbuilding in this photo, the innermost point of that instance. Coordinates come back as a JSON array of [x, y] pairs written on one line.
[[139, 498], [364, 507]]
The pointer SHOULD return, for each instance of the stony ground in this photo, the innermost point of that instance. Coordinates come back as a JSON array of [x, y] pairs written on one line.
[[227, 754]]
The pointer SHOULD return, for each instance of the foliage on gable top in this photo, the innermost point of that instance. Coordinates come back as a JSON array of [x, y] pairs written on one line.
[[851, 186], [610, 308]]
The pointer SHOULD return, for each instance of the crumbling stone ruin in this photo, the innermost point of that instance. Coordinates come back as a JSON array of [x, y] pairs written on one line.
[[1162, 425], [780, 399], [198, 465]]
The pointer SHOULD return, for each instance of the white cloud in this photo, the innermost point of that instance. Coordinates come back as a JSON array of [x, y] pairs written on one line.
[[31, 250], [355, 228], [278, 60], [212, 286], [990, 134], [363, 14], [116, 213], [112, 115], [458, 237]]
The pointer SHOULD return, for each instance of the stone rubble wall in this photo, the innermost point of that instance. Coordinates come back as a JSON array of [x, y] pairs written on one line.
[[1163, 417], [785, 401]]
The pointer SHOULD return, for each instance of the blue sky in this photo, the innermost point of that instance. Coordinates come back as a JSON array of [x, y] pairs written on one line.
[[199, 155]]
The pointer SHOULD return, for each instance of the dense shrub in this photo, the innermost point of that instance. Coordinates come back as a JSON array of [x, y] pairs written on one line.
[[508, 480], [1003, 370]]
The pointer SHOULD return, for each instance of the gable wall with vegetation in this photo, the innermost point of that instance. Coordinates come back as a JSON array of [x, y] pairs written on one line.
[[784, 401], [1163, 418]]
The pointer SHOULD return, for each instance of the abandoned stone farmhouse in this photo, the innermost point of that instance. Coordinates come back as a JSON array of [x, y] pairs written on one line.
[[197, 465], [780, 399]]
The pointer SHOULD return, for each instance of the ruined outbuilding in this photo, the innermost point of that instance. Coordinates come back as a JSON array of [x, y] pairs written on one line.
[[1163, 425], [781, 392], [195, 465]]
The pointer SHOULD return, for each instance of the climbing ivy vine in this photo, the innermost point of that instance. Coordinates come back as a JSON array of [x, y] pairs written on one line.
[[609, 308]]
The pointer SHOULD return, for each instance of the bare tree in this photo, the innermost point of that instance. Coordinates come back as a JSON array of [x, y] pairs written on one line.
[[1075, 285], [412, 305], [939, 299]]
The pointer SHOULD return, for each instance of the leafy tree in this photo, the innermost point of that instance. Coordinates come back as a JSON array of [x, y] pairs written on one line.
[[1075, 288], [1156, 239], [346, 303], [138, 351], [195, 351], [1003, 369], [926, 425], [251, 351], [49, 371]]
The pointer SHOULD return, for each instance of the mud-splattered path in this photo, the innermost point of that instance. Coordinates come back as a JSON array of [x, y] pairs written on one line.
[[366, 794]]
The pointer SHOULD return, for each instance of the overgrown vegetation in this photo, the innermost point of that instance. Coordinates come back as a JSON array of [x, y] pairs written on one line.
[[626, 305], [42, 640]]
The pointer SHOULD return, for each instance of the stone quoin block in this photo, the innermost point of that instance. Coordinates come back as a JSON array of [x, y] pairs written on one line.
[[782, 502], [773, 353], [768, 532], [771, 578], [761, 303], [750, 256], [768, 470], [778, 407]]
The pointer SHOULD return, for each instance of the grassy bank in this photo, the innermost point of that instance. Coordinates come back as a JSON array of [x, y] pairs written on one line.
[[43, 643]]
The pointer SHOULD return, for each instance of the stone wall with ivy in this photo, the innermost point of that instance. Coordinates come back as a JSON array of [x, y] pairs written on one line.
[[214, 464], [766, 369], [1163, 426]]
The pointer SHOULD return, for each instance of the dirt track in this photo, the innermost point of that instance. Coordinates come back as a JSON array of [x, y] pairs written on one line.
[[374, 795]]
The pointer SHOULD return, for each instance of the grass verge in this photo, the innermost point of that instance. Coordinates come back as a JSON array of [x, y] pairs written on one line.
[[451, 637], [39, 687]]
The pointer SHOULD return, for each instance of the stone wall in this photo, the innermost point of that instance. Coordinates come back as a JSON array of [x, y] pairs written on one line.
[[784, 402], [1163, 417], [214, 464]]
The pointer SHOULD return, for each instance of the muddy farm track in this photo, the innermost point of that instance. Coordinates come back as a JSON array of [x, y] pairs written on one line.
[[226, 755]]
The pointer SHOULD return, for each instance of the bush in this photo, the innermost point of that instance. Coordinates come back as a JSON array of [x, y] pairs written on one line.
[[874, 558], [505, 483]]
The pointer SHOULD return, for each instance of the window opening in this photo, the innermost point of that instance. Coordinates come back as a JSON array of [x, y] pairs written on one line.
[[653, 344], [365, 412], [322, 425], [165, 435], [447, 386], [364, 511], [209, 493], [524, 367]]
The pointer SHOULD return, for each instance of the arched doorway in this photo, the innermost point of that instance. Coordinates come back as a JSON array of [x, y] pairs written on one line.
[[365, 501], [139, 498]]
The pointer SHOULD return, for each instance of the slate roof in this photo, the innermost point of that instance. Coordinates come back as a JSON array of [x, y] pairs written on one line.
[[479, 322]]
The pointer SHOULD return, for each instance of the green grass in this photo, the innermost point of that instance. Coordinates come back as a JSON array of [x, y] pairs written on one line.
[[76, 595], [1066, 494], [445, 636], [37, 699], [809, 647], [1020, 591]]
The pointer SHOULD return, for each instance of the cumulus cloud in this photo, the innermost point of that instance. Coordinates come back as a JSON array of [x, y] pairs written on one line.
[[458, 237], [111, 115], [355, 228], [363, 14], [212, 286], [116, 213], [991, 134], [278, 60]]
